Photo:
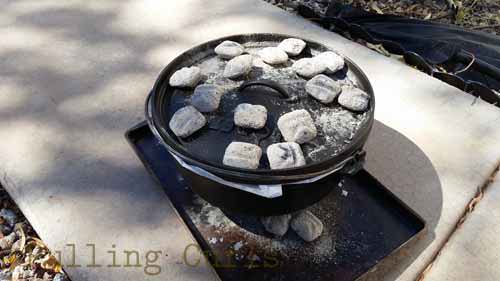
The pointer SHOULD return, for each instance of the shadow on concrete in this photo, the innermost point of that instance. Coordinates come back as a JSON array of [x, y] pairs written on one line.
[[403, 167], [77, 63]]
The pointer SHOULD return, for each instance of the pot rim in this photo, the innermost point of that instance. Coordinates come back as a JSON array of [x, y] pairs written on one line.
[[161, 131]]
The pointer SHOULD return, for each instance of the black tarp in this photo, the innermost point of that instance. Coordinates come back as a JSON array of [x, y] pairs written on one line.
[[467, 59]]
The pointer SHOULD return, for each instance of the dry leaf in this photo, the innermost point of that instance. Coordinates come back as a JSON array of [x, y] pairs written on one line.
[[49, 262], [428, 16], [379, 48], [19, 228], [375, 7], [6, 260], [13, 261]]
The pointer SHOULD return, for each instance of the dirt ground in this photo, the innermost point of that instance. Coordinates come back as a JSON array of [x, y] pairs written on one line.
[[483, 15], [23, 256]]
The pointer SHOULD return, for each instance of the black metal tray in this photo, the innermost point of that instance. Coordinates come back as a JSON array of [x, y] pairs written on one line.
[[364, 223]]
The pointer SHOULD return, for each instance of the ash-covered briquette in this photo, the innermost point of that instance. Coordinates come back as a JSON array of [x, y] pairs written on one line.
[[242, 155], [238, 66], [206, 98], [354, 99], [323, 88], [331, 60], [307, 225], [273, 55], [285, 155], [308, 67], [250, 116], [297, 126], [186, 77], [277, 225], [186, 121], [229, 49], [328, 142], [292, 46]]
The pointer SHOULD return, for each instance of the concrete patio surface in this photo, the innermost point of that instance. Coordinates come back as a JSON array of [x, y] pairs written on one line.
[[74, 77], [473, 251]]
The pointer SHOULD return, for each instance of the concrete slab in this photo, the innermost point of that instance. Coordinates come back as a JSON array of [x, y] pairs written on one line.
[[74, 76], [473, 251]]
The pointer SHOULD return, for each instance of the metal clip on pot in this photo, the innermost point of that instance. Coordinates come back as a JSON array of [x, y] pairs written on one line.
[[355, 164]]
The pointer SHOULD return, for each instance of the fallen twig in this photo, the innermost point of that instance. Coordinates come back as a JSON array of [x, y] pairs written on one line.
[[449, 14], [469, 65], [486, 26]]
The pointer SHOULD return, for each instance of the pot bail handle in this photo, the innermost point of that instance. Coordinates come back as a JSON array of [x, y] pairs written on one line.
[[266, 83]]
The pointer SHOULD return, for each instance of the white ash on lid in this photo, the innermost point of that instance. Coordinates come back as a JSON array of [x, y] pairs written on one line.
[[340, 124], [285, 155], [323, 88], [206, 98], [186, 121], [186, 77], [238, 66], [242, 155], [273, 55], [229, 49], [354, 99], [297, 126], [331, 60], [292, 46], [277, 225], [308, 67], [250, 116], [307, 225]]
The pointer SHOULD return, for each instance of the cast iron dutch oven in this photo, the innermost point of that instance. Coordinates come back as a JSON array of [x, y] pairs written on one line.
[[206, 147]]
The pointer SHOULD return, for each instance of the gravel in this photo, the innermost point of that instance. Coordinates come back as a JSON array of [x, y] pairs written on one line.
[[7, 241], [18, 242], [9, 216]]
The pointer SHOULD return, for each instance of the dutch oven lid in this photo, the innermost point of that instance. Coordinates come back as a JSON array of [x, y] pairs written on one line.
[[279, 89]]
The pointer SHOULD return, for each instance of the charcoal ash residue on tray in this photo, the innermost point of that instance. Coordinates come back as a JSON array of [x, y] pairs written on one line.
[[248, 243], [332, 137]]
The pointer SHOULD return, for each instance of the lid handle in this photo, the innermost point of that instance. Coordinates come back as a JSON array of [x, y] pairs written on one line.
[[267, 83]]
